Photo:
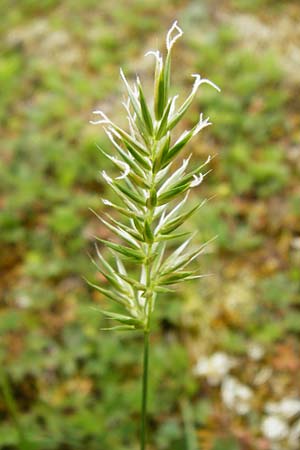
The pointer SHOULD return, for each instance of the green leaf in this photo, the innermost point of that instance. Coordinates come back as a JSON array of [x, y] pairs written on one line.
[[173, 192], [139, 225], [145, 111], [167, 76], [164, 121], [173, 224], [135, 234], [159, 93], [159, 255], [176, 277], [116, 297], [132, 206], [161, 153], [144, 162], [118, 228], [152, 199], [127, 138], [169, 237], [130, 194], [177, 147], [148, 234], [134, 255], [175, 209], [163, 290], [112, 279], [105, 263], [133, 282], [127, 320], [120, 328], [138, 181], [174, 261], [182, 110], [189, 176], [125, 212], [129, 160]]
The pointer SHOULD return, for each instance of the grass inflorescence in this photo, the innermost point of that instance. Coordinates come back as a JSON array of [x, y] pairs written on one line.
[[152, 202]]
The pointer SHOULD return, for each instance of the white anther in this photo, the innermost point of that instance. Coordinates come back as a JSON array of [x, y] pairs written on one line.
[[107, 202]]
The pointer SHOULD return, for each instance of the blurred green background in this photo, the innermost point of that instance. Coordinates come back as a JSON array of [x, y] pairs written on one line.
[[77, 387]]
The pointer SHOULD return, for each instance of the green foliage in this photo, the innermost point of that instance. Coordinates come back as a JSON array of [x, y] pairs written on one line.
[[226, 444]]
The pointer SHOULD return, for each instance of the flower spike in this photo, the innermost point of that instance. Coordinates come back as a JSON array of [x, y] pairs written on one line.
[[151, 194]]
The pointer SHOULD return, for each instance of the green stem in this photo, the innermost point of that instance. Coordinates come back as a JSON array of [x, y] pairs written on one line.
[[145, 390], [13, 409], [148, 311]]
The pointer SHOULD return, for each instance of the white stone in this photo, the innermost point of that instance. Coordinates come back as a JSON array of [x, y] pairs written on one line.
[[236, 396], [274, 428], [215, 367], [287, 407], [255, 351]]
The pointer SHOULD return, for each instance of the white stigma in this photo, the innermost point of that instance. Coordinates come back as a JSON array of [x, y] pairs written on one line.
[[200, 81], [170, 41], [207, 161], [123, 165], [157, 56], [104, 119], [201, 124], [197, 180]]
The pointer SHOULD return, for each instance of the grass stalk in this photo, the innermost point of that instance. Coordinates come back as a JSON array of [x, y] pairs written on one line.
[[152, 194], [145, 391], [149, 300]]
